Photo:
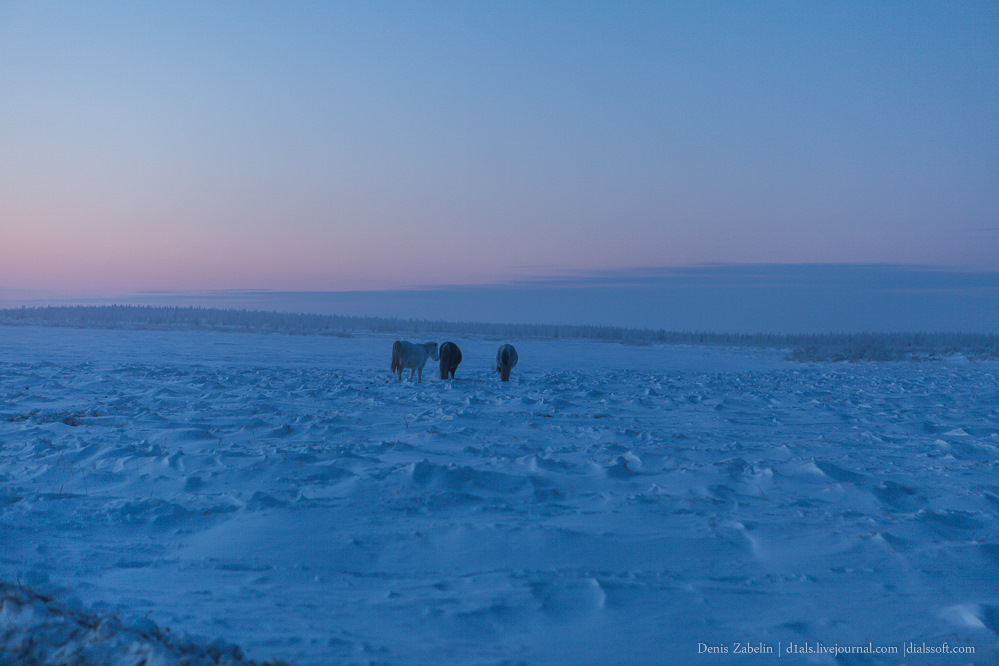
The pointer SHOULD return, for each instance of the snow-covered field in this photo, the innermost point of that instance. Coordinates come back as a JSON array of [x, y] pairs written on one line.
[[170, 493]]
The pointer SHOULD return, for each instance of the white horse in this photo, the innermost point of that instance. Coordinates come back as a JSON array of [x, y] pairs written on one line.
[[413, 356], [506, 359]]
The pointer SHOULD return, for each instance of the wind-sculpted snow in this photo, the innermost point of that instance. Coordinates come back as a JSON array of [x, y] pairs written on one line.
[[287, 495]]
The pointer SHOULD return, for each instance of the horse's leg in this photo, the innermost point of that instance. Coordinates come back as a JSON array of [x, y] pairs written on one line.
[[420, 380]]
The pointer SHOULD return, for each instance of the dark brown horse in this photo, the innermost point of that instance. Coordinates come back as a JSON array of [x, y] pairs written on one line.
[[506, 359], [450, 358]]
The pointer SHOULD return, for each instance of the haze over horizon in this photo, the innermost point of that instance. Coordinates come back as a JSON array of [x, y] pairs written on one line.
[[772, 299], [350, 146]]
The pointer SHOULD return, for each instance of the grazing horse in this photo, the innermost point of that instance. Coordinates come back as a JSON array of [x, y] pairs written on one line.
[[408, 355], [506, 359], [450, 358]]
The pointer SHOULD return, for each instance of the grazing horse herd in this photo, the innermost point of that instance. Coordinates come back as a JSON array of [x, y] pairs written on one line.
[[411, 356]]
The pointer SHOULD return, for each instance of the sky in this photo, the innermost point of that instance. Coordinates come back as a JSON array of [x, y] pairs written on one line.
[[343, 146]]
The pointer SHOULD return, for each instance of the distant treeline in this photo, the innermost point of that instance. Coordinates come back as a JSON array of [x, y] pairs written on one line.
[[869, 346]]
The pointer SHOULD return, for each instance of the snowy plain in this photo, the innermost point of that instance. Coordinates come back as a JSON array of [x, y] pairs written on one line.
[[175, 494]]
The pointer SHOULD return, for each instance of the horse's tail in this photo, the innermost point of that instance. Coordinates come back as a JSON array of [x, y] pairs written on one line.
[[396, 350]]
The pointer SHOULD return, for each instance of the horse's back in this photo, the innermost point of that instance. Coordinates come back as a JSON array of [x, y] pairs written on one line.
[[407, 354], [453, 353], [506, 356]]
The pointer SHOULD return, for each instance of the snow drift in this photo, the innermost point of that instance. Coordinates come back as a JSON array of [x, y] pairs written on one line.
[[610, 504]]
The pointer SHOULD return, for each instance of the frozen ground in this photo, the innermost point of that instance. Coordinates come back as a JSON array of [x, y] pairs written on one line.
[[172, 493]]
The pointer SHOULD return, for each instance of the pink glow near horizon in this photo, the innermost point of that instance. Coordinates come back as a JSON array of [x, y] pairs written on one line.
[[344, 147]]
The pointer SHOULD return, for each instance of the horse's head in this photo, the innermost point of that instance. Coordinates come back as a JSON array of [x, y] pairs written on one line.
[[433, 351]]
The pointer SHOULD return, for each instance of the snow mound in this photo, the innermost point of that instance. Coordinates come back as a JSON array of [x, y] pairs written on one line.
[[611, 504], [37, 628]]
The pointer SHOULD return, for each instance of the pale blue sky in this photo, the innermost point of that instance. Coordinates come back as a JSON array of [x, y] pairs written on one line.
[[371, 145]]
